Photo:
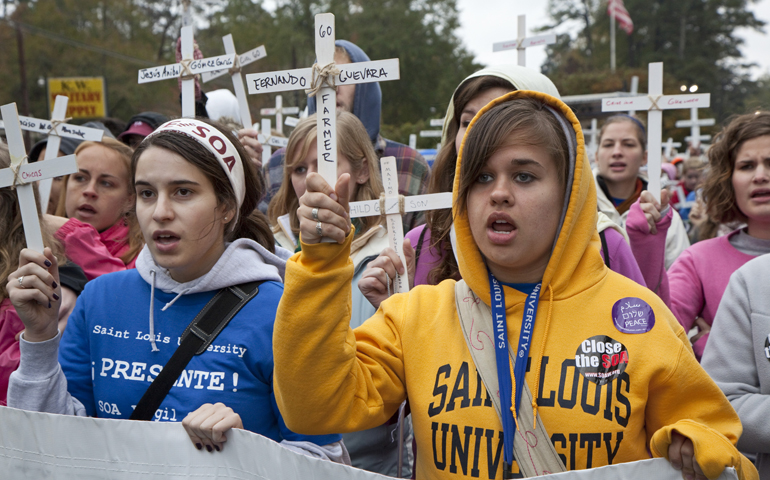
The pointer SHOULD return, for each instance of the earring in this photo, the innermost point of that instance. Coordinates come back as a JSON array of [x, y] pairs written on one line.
[[225, 219]]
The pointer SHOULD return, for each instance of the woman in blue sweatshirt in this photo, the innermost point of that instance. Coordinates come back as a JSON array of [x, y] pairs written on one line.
[[196, 200]]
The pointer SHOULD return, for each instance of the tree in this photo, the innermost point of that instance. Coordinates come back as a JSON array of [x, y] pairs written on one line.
[[694, 38]]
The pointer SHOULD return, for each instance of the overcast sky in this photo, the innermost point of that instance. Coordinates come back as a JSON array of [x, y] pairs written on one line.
[[483, 22]]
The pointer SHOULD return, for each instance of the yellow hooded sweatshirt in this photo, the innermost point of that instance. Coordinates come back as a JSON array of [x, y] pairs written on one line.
[[329, 378]]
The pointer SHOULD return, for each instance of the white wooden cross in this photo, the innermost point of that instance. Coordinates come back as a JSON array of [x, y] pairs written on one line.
[[523, 42], [55, 129], [268, 141], [634, 91], [694, 123], [395, 206], [278, 111], [186, 70], [591, 147], [235, 72], [670, 145], [21, 172], [351, 73], [655, 102], [413, 141]]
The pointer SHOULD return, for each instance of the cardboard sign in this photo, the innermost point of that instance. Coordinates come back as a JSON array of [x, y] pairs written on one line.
[[86, 96]]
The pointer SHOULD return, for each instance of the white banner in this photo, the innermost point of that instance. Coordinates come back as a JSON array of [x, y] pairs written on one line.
[[61, 447]]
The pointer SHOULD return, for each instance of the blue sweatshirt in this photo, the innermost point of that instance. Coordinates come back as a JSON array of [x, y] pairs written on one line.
[[109, 362]]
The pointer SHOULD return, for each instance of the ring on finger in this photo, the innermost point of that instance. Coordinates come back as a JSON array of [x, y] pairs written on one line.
[[21, 282], [319, 229], [314, 212]]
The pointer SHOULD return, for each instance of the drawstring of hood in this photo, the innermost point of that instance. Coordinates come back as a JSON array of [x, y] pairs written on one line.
[[152, 308], [243, 261]]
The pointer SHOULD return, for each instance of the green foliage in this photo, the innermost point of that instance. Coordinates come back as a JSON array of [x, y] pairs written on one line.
[[421, 33], [694, 38]]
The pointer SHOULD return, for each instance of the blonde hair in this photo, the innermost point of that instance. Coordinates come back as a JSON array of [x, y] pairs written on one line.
[[353, 142], [12, 229], [124, 152]]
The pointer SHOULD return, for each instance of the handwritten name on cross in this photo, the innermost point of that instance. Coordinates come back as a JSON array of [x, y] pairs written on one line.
[[523, 42], [655, 102], [186, 70], [55, 129], [394, 206], [670, 145], [21, 174], [267, 140], [235, 73], [694, 123], [351, 73], [278, 111]]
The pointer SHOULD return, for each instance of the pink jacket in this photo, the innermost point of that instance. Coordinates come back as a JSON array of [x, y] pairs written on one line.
[[10, 326], [695, 283], [96, 253]]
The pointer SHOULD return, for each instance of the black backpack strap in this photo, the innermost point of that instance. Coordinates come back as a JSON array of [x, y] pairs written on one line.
[[196, 338], [419, 246], [605, 249]]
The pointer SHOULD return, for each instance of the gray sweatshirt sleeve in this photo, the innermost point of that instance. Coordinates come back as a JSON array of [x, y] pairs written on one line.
[[334, 452], [736, 356], [39, 385]]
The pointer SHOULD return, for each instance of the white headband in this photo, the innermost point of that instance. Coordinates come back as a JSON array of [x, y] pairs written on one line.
[[216, 143]]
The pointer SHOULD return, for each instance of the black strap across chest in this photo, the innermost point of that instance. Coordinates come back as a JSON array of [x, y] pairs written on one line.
[[198, 335]]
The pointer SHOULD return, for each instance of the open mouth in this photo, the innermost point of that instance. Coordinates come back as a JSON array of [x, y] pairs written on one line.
[[761, 194], [87, 209], [502, 226], [165, 239]]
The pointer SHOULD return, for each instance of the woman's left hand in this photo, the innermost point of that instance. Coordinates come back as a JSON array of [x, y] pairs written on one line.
[[207, 425], [681, 454]]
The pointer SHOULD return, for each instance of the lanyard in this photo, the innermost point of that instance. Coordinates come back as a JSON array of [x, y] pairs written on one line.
[[502, 358]]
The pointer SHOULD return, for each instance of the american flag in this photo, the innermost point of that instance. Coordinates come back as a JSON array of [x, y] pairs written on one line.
[[615, 8]]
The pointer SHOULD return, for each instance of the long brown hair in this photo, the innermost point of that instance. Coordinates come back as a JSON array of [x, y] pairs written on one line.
[[12, 229], [443, 176], [135, 239], [718, 189], [251, 223], [353, 142]]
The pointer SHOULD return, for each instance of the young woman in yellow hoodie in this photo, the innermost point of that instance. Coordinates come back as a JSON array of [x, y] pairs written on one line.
[[597, 372]]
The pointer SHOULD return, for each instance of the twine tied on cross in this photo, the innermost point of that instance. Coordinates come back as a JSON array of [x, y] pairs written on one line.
[[654, 102], [236, 68], [55, 124], [401, 205], [186, 72], [321, 76], [15, 166]]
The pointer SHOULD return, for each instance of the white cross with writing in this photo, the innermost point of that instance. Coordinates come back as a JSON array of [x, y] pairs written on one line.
[[694, 123], [655, 102], [351, 73], [186, 70], [413, 141], [591, 148], [267, 140], [523, 42], [278, 111], [55, 129], [235, 72], [670, 145], [395, 206], [21, 172]]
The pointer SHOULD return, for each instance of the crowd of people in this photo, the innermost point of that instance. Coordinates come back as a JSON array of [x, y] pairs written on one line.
[[638, 326]]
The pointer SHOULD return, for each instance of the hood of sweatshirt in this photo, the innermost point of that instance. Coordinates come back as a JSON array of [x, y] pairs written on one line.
[[573, 266], [243, 261], [522, 78], [367, 102]]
